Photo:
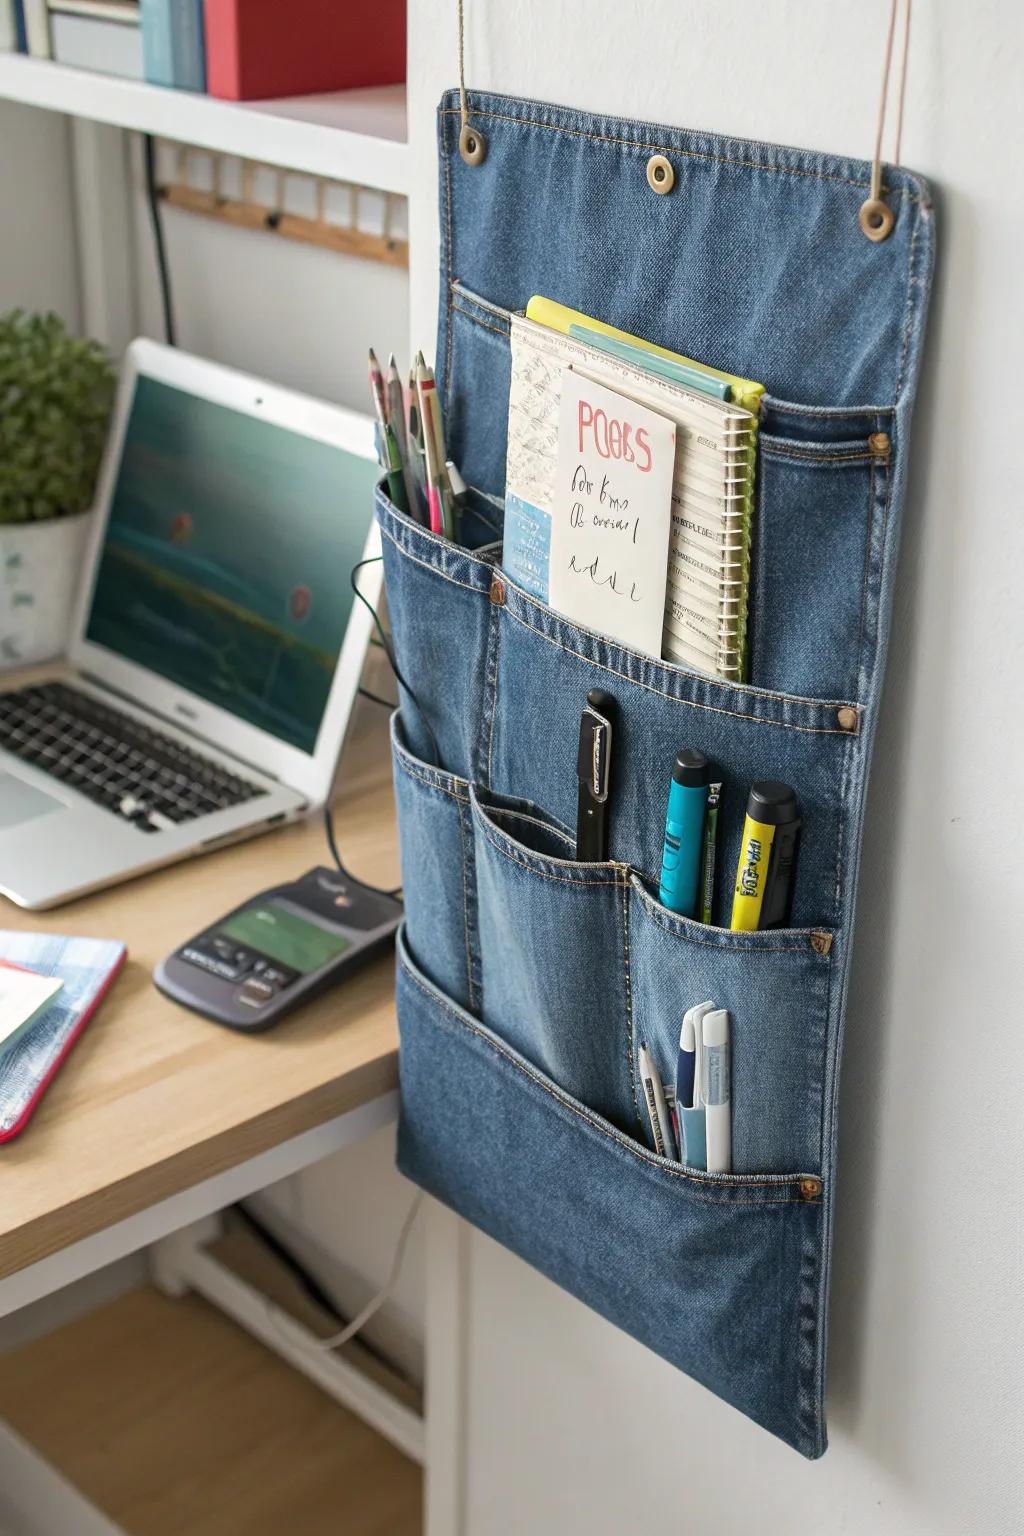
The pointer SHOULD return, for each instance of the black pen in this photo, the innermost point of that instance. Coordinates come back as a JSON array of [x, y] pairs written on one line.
[[593, 769]]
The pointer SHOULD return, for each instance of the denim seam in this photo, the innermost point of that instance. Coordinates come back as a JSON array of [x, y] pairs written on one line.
[[714, 709], [869, 542], [823, 412], [665, 922], [857, 456], [808, 1389], [630, 1034], [551, 826], [466, 918], [758, 1181], [886, 539], [456, 309], [421, 778], [904, 193], [909, 315], [418, 560], [448, 264], [493, 665], [613, 879]]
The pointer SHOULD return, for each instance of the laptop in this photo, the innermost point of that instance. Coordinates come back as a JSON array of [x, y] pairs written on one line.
[[217, 647]]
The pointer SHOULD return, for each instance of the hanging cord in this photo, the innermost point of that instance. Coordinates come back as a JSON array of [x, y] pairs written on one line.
[[472, 144], [153, 199], [876, 217], [385, 640], [279, 1319]]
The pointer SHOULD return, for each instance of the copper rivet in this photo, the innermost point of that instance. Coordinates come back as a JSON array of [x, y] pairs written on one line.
[[821, 943], [472, 145], [846, 718], [879, 444], [660, 175], [810, 1188], [877, 219], [497, 592]]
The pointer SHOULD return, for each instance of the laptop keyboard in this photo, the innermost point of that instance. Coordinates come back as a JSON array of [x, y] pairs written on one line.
[[143, 776]]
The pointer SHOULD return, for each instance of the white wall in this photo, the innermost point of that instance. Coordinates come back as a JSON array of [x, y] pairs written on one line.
[[572, 1427], [38, 262]]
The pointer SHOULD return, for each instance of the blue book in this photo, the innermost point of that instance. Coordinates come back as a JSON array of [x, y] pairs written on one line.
[[20, 34], [173, 47]]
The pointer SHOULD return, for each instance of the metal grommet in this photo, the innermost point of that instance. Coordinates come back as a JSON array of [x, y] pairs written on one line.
[[472, 145], [846, 718], [877, 219], [497, 592], [810, 1188], [660, 175]]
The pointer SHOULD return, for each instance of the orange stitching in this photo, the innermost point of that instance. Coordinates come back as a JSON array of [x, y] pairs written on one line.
[[865, 456], [458, 310], [750, 1181], [418, 560], [690, 154], [714, 709], [421, 778], [664, 920], [514, 858]]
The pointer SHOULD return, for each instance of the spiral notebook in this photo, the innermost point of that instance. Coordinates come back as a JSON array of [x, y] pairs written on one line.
[[707, 579]]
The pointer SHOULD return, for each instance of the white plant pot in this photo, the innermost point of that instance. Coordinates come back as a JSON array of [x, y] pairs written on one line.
[[40, 568]]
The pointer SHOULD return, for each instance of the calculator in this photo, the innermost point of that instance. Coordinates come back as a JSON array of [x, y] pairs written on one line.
[[274, 952]]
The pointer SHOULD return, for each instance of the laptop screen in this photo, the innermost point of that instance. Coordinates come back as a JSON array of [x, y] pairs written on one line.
[[226, 562]]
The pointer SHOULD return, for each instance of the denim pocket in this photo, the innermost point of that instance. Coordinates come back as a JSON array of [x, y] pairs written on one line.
[[436, 841], [817, 530], [719, 1273], [552, 953], [479, 356], [775, 984]]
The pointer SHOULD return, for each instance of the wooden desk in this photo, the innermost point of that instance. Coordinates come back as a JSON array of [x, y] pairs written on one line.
[[153, 1099]]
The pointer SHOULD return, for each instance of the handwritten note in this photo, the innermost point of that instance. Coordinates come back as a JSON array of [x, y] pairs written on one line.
[[611, 513]]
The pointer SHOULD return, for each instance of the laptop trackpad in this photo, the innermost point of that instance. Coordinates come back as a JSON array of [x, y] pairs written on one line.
[[20, 801]]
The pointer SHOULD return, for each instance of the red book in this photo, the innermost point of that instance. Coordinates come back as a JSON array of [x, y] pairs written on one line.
[[260, 48]]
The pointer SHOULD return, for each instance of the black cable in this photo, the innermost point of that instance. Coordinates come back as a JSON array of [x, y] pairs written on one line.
[[378, 890], [377, 698], [389, 652], [153, 198]]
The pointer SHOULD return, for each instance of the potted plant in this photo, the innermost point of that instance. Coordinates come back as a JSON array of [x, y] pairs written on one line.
[[56, 393]]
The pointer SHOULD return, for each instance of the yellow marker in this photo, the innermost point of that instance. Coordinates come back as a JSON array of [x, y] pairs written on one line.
[[558, 317], [764, 874]]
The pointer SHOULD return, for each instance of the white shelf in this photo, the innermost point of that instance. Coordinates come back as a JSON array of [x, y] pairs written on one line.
[[356, 136]]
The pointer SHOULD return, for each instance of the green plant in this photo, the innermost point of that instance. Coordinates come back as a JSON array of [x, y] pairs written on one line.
[[56, 392]]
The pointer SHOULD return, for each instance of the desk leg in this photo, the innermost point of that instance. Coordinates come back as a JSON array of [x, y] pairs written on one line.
[[36, 1501]]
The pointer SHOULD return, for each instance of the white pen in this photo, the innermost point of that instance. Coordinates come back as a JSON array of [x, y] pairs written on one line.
[[657, 1107], [716, 1091]]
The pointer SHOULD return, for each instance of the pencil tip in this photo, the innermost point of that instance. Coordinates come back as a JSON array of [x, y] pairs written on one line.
[[373, 358]]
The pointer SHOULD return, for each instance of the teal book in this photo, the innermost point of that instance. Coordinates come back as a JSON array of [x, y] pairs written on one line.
[[86, 967], [173, 47]]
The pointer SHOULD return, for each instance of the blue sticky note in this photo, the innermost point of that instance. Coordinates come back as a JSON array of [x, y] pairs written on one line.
[[527, 546]]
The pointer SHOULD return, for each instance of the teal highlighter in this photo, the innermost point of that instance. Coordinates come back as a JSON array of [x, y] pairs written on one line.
[[684, 833]]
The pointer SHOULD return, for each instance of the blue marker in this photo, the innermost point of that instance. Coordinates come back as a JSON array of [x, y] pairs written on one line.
[[684, 833]]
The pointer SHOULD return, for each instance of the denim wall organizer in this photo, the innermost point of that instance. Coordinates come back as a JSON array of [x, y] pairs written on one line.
[[527, 981]]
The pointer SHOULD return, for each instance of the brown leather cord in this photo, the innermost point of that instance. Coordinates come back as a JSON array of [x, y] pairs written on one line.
[[877, 219]]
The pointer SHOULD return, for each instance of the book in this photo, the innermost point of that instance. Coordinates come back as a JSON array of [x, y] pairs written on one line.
[[708, 565], [23, 996], [90, 42], [264, 48], [173, 44], [8, 29], [86, 967], [36, 23], [126, 11]]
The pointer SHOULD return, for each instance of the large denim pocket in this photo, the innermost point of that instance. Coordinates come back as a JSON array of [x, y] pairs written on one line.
[[436, 840], [817, 534], [775, 984], [718, 1273], [552, 953]]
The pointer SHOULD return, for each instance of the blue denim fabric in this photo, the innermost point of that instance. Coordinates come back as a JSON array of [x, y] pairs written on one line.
[[528, 981]]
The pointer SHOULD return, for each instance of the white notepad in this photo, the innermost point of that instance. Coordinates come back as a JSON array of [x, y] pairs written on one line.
[[708, 562]]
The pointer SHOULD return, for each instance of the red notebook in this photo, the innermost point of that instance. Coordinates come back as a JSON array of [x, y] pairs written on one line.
[[28, 1066], [261, 48]]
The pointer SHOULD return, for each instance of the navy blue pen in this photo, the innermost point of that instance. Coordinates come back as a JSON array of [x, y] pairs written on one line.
[[686, 1063]]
